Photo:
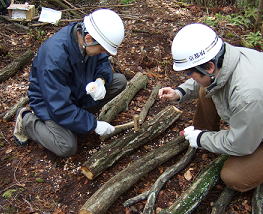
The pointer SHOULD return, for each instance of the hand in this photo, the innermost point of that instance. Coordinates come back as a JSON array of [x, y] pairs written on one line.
[[167, 93], [191, 135], [96, 89], [104, 128]]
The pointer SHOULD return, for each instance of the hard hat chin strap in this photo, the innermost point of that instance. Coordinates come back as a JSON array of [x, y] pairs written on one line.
[[212, 76]]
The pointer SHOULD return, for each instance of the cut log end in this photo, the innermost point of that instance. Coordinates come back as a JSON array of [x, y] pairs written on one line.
[[176, 109], [87, 172], [84, 212]]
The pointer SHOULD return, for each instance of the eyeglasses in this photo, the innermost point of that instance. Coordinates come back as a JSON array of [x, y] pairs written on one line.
[[188, 72]]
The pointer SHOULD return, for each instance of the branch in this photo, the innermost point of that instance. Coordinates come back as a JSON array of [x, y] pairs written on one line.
[[224, 199], [109, 154], [22, 102], [155, 189], [102, 199], [14, 66], [170, 172], [122, 100], [142, 114], [191, 198]]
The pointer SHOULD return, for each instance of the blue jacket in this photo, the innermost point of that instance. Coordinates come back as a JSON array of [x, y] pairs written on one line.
[[58, 79]]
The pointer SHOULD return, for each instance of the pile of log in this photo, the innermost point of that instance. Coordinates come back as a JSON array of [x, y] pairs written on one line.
[[140, 133]]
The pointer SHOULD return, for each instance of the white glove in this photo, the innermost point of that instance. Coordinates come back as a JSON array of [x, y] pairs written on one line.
[[191, 135], [104, 128], [96, 89]]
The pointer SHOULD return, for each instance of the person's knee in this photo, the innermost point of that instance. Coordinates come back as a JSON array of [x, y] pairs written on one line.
[[233, 181], [122, 81], [67, 149]]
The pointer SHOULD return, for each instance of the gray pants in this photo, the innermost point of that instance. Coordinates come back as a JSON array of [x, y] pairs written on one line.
[[58, 139]]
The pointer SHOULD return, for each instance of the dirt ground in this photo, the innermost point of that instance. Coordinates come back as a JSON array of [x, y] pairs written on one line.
[[42, 183]]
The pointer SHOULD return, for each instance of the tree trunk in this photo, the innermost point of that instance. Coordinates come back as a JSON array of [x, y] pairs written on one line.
[[191, 198], [109, 154], [14, 66], [121, 101], [102, 199], [259, 16]]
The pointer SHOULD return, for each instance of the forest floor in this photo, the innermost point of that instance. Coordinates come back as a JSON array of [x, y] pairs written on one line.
[[40, 182]]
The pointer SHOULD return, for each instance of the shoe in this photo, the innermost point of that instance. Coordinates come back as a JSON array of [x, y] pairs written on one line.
[[19, 132]]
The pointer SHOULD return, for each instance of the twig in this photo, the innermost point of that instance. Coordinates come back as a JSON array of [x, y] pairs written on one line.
[[3, 137], [136, 199], [71, 5], [30, 206], [103, 6], [171, 171], [142, 114]]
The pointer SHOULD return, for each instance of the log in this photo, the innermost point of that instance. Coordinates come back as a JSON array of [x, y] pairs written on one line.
[[22, 102], [170, 172], [121, 101], [14, 66], [191, 198], [109, 154], [150, 101], [155, 189], [13, 21], [257, 200], [223, 200], [102, 199]]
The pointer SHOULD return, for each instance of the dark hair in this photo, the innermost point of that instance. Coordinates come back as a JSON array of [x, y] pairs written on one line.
[[217, 60]]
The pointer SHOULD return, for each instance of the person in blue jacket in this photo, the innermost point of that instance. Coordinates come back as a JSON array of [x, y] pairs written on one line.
[[71, 78]]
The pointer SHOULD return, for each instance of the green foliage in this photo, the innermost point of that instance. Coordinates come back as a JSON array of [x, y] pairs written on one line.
[[37, 34], [9, 193], [253, 40], [245, 19], [40, 180], [127, 1]]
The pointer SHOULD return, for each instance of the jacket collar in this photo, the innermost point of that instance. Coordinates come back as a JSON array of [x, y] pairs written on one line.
[[231, 59], [74, 50]]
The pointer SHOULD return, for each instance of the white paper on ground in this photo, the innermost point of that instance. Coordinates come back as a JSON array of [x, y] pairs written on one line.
[[49, 15]]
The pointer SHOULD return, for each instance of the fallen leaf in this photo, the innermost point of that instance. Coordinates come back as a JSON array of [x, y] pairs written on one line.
[[188, 175]]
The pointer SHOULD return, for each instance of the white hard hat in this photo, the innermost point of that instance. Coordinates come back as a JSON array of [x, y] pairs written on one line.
[[106, 27], [194, 45]]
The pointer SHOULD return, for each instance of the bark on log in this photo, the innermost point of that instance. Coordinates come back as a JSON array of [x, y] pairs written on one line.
[[14, 66], [155, 189], [102, 199], [191, 198], [223, 200], [171, 171], [22, 102], [13, 21], [257, 200], [108, 155], [121, 101], [142, 114]]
